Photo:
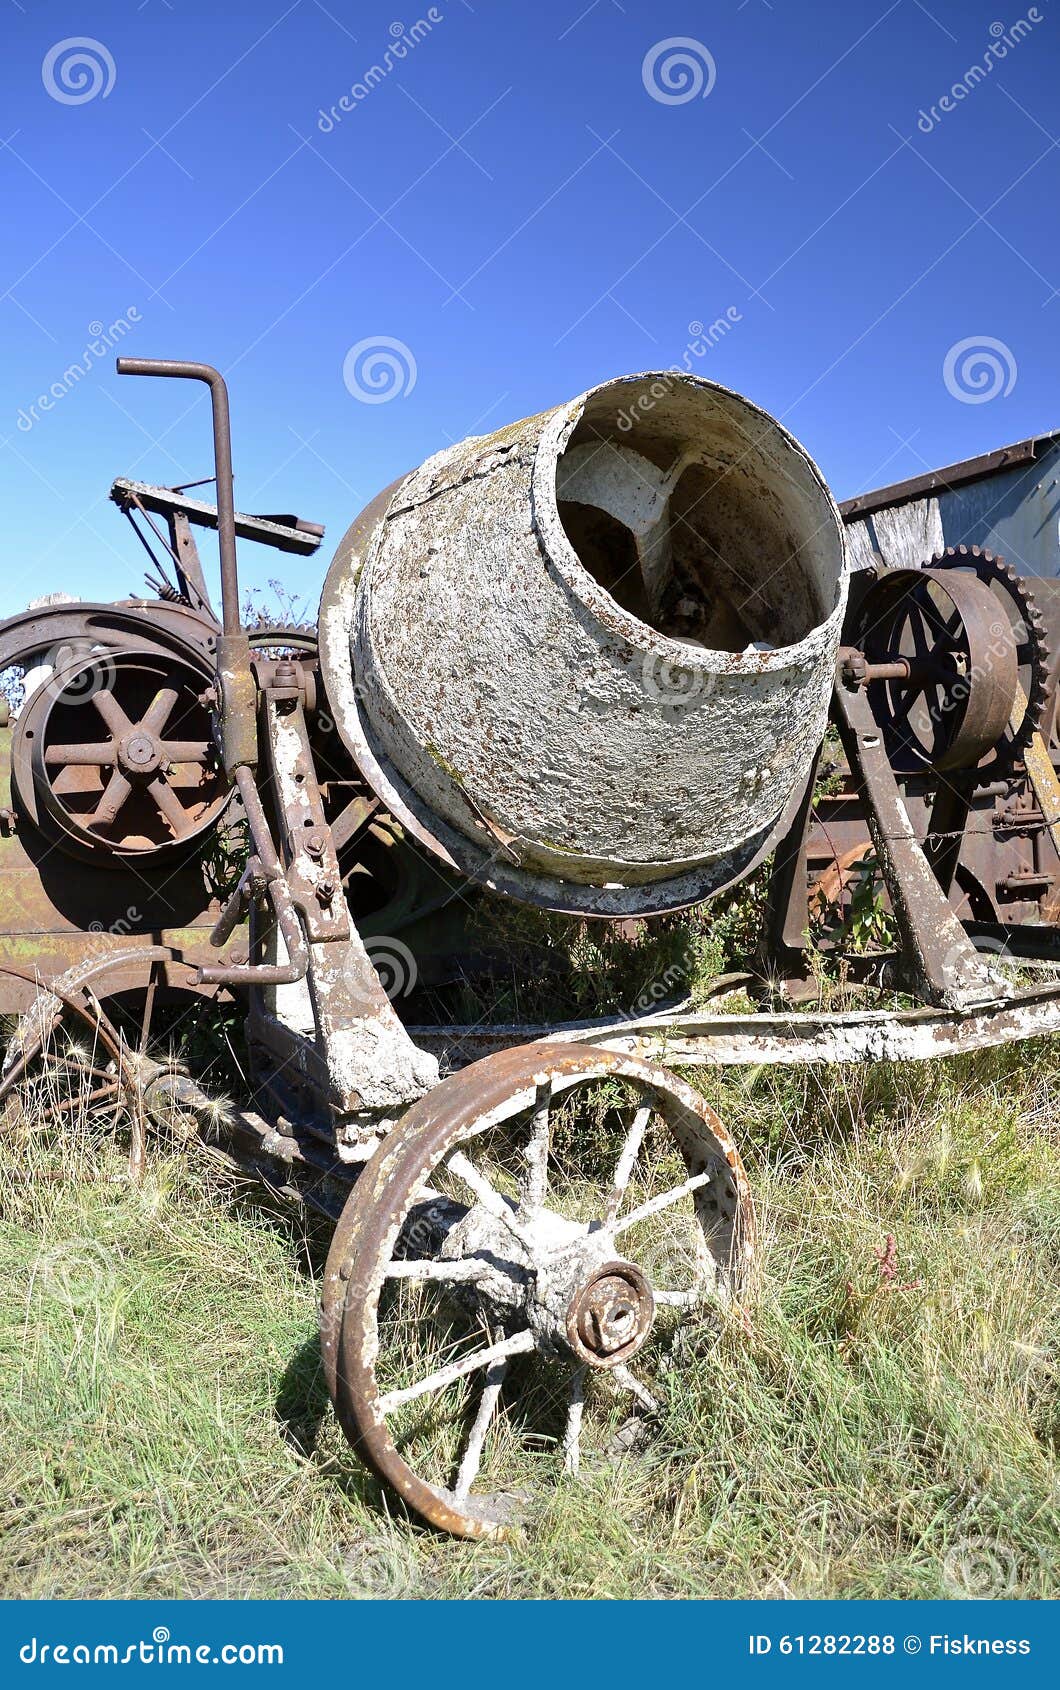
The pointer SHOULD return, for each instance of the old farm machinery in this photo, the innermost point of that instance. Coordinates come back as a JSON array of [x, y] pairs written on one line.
[[610, 661]]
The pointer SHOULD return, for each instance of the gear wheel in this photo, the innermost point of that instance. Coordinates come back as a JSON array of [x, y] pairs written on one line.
[[1032, 650]]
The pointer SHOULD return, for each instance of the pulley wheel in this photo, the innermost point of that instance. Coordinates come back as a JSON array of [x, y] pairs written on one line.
[[953, 706], [116, 752]]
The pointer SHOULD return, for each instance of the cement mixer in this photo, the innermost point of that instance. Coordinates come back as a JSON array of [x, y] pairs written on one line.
[[539, 640], [610, 661]]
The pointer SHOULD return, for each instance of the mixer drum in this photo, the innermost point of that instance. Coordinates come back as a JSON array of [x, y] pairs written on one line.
[[587, 659]]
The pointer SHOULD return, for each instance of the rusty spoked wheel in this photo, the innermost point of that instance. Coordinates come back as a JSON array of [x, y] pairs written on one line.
[[951, 645], [66, 1027], [81, 1056], [117, 751], [493, 1320]]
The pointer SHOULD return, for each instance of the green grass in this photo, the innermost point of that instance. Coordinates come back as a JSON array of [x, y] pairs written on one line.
[[879, 1427]]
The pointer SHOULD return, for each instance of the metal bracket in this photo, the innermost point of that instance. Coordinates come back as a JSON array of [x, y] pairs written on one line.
[[310, 859], [945, 967]]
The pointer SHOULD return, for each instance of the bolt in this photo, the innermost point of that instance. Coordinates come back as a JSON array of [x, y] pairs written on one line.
[[315, 845]]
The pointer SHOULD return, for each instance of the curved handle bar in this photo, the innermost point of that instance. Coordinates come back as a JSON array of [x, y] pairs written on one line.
[[222, 457]]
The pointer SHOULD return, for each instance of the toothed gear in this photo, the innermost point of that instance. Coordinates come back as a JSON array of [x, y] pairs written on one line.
[[1032, 651]]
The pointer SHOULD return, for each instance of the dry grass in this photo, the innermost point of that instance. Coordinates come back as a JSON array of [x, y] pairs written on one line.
[[886, 1427]]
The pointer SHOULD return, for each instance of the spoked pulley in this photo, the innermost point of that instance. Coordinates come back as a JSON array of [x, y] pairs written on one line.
[[493, 1318], [961, 648], [115, 752]]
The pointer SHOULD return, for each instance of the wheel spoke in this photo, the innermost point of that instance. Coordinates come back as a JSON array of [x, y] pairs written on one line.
[[535, 1184], [490, 1198], [622, 1376], [909, 691], [158, 711], [678, 1299], [170, 805], [115, 793], [665, 1200], [518, 1345], [627, 1161], [112, 712], [466, 1268], [487, 1408], [149, 1009], [98, 755], [918, 632], [184, 750], [572, 1431]]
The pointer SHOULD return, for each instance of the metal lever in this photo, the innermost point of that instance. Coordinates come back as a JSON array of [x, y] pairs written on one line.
[[238, 699]]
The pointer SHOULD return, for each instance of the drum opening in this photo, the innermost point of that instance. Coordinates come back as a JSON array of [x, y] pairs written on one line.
[[699, 515]]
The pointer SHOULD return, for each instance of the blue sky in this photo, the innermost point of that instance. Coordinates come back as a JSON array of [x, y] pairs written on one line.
[[532, 198]]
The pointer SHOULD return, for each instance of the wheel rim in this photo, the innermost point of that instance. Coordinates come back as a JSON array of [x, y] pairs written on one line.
[[536, 1302], [956, 702], [119, 751], [79, 1051]]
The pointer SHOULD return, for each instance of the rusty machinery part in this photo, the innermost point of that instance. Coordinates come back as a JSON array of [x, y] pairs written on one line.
[[287, 638], [47, 634], [971, 641], [942, 670], [531, 643], [830, 893], [67, 1061], [1014, 595], [518, 1277], [115, 753], [89, 1043]]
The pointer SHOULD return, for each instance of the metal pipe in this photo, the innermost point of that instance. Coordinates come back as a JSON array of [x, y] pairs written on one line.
[[222, 457], [297, 964]]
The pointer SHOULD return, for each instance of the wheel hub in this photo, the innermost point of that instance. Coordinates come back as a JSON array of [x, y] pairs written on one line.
[[139, 753], [610, 1316]]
